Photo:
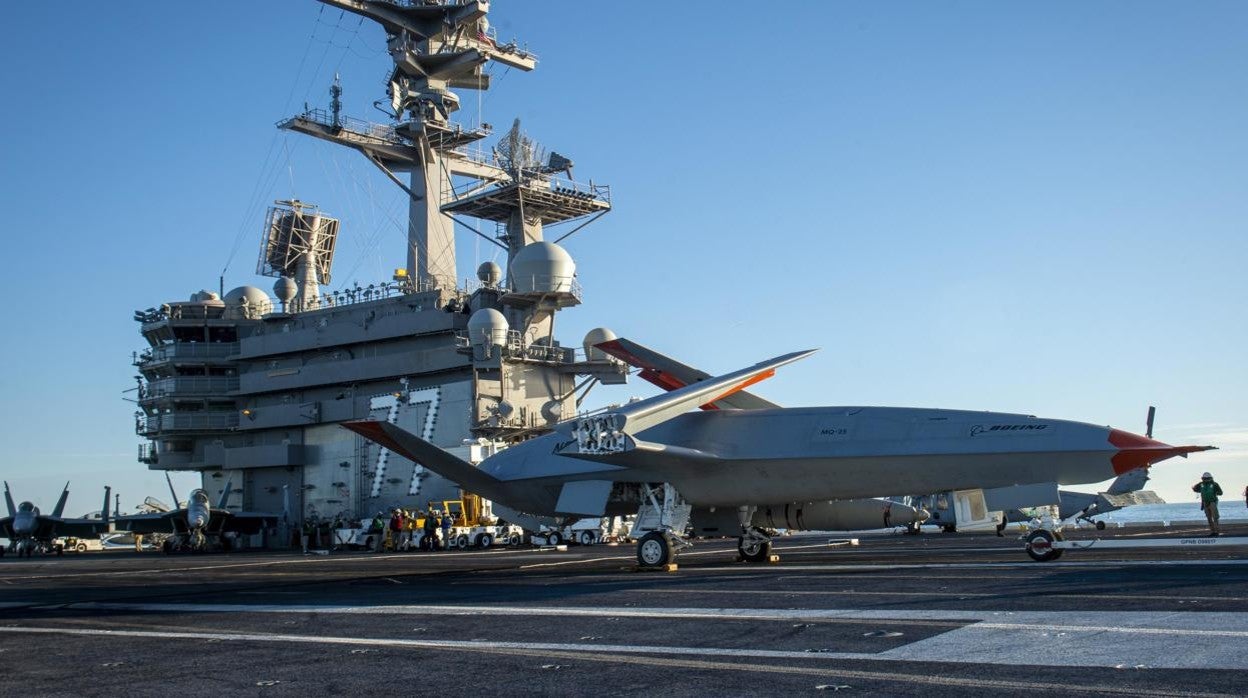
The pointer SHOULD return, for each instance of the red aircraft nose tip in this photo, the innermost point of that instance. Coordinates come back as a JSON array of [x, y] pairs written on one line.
[[1135, 451]]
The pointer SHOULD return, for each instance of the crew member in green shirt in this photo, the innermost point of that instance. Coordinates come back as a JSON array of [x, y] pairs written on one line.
[[1209, 493]]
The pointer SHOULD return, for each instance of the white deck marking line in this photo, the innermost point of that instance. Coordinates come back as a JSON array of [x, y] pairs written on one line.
[[573, 562], [446, 644], [812, 549], [1036, 566], [1058, 621], [269, 563], [855, 592], [967, 649], [812, 592]]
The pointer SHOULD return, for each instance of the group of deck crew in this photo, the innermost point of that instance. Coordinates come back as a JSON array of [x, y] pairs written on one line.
[[399, 532]]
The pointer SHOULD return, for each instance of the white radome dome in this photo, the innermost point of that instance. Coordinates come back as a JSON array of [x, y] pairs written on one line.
[[487, 327], [249, 301], [594, 337], [285, 289], [542, 267], [489, 273]]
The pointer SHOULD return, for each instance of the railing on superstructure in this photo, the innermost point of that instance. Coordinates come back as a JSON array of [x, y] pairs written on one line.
[[188, 386], [186, 350], [352, 295], [148, 425], [517, 349], [368, 132], [147, 453], [533, 179]]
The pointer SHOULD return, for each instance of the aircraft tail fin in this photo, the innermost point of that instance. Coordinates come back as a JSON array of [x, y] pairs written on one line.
[[225, 495], [8, 499], [615, 431], [172, 492], [414, 448], [60, 503], [670, 374], [108, 494]]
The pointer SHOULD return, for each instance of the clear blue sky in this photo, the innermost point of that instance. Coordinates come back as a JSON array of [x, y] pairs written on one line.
[[1032, 207]]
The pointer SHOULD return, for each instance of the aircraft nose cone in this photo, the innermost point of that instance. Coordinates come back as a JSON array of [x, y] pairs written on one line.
[[22, 526], [197, 522], [1135, 451]]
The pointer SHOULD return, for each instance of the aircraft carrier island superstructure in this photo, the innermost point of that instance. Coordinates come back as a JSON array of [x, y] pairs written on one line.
[[249, 389]]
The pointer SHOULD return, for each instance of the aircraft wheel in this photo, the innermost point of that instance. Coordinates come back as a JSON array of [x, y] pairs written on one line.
[[654, 550], [1100, 525], [754, 550], [1040, 546], [587, 538], [553, 538], [485, 540]]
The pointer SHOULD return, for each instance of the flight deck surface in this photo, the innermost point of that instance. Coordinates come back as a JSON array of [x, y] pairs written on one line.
[[933, 614]]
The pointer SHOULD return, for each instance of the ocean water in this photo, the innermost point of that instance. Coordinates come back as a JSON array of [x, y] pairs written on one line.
[[1229, 509]]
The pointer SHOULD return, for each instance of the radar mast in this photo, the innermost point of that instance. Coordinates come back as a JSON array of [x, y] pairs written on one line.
[[437, 46]]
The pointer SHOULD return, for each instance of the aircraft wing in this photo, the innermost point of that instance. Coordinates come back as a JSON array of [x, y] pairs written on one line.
[[79, 528], [416, 449], [1118, 501], [247, 522], [614, 432], [164, 522], [670, 374]]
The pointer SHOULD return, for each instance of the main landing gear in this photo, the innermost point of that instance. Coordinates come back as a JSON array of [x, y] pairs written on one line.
[[667, 521], [754, 545], [655, 549]]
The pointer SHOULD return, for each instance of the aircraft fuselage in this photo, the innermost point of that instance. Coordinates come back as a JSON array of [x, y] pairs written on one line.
[[768, 456]]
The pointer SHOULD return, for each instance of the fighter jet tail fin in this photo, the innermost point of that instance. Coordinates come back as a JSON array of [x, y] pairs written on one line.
[[60, 503], [108, 494], [414, 448], [172, 492], [8, 499], [615, 431], [225, 495], [670, 374]]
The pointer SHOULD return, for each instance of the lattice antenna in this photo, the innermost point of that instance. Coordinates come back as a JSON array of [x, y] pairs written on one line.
[[297, 233], [517, 153]]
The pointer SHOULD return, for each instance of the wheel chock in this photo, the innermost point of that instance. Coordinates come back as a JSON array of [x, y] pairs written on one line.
[[669, 567]]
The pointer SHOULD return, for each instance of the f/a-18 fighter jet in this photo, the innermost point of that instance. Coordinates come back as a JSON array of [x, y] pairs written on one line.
[[721, 468], [27, 529], [193, 524]]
